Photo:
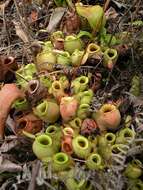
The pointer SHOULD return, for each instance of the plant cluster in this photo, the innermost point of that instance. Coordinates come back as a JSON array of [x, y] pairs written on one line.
[[54, 109]]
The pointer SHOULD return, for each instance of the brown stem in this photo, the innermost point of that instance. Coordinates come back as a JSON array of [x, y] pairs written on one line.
[[35, 170], [8, 94], [106, 5]]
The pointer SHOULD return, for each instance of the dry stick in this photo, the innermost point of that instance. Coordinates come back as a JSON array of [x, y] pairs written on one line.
[[23, 12], [17, 74], [10, 46], [49, 186], [20, 76], [46, 16], [35, 170], [106, 5]]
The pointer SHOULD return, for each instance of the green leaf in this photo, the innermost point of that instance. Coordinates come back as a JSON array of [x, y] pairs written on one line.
[[84, 33]]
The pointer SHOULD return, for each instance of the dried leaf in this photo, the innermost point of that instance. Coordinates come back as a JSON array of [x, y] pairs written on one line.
[[10, 137], [84, 59], [6, 146], [20, 32], [10, 123], [111, 13], [55, 18], [26, 172], [2, 7], [7, 166]]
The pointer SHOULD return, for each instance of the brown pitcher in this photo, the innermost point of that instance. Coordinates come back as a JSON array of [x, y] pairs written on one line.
[[8, 94], [29, 123], [7, 65]]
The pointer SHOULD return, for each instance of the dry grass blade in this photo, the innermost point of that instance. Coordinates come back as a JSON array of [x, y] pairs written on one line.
[[106, 5], [3, 6], [55, 18], [8, 166], [20, 32], [6, 146]]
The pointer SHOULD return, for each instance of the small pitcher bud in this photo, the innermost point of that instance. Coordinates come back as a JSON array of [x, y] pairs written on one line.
[[109, 58]]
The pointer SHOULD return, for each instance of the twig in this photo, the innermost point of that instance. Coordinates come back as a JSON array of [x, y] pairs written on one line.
[[11, 46], [106, 5], [48, 185], [17, 74], [35, 170], [4, 21], [21, 20]]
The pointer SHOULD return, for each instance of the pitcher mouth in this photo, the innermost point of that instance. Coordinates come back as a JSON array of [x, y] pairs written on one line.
[[70, 38], [9, 60], [33, 86], [93, 48], [83, 80], [110, 137], [128, 134], [111, 53], [106, 108], [44, 140], [43, 108], [84, 106], [77, 122], [61, 158], [117, 148], [51, 130], [22, 124], [68, 131], [56, 85], [82, 143], [96, 159]]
